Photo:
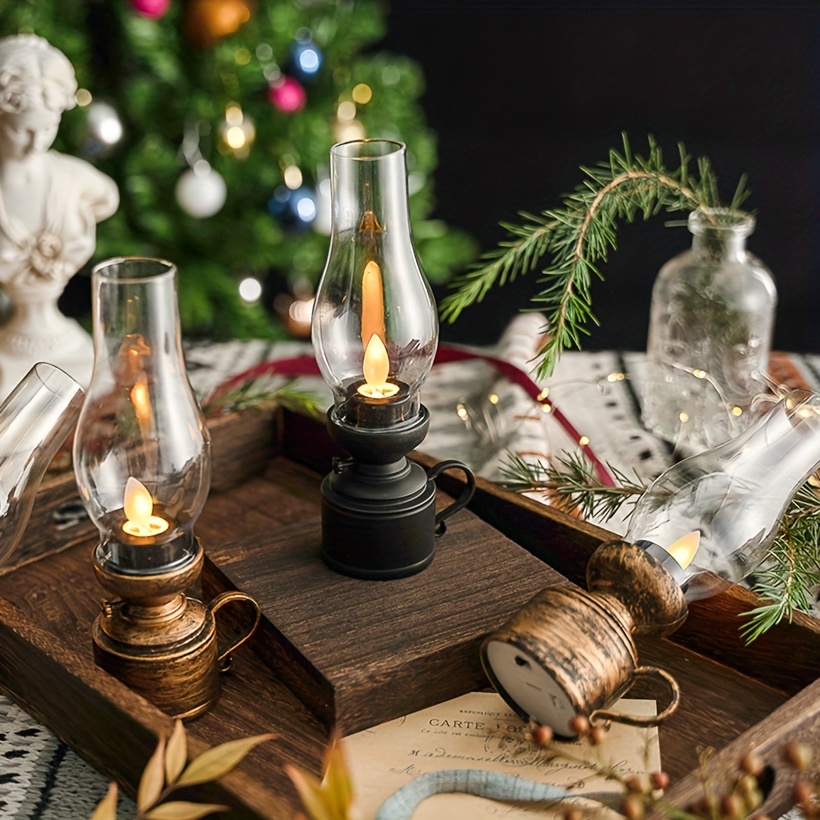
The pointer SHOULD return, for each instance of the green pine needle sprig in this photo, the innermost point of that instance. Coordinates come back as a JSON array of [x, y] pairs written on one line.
[[578, 236], [572, 482], [792, 570], [258, 394]]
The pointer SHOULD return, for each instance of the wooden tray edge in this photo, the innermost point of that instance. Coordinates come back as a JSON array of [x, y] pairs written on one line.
[[31, 656], [798, 719]]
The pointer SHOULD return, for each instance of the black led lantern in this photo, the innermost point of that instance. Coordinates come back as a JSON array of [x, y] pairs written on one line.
[[375, 333]]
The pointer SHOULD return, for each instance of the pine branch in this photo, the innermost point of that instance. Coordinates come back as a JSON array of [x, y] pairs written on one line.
[[792, 570], [500, 266], [255, 395], [579, 236], [572, 482]]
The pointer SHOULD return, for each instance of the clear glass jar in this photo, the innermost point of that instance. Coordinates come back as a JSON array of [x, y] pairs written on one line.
[[710, 331]]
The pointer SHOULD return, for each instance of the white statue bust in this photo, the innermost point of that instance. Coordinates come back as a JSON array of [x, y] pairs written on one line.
[[50, 204]]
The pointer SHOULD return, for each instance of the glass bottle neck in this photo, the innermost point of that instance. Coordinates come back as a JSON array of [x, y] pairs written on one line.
[[720, 243], [720, 233]]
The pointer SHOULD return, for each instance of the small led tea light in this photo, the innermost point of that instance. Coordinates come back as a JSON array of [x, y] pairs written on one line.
[[142, 464], [703, 525], [375, 332]]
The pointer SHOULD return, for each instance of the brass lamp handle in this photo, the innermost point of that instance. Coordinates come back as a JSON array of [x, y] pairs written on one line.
[[644, 720], [224, 657]]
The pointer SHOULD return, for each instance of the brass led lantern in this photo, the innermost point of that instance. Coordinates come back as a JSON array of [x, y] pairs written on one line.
[[375, 333], [703, 525], [142, 464]]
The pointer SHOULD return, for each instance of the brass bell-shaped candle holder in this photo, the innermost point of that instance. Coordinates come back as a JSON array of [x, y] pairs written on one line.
[[375, 332], [142, 464], [703, 525]]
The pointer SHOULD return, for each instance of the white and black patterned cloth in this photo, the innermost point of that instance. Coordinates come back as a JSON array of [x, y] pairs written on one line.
[[476, 417]]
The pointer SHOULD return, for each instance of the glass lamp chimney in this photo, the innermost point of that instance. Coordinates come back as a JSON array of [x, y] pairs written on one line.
[[711, 518], [142, 450], [375, 325]]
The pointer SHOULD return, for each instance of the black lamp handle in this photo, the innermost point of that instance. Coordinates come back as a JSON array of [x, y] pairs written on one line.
[[463, 500]]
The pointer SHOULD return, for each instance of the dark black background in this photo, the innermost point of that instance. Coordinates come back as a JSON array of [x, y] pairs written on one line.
[[521, 95]]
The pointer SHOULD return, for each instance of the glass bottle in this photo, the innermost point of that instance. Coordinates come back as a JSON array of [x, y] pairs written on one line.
[[710, 332]]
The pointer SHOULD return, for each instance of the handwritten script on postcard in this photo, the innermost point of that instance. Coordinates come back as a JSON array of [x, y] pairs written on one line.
[[479, 731]]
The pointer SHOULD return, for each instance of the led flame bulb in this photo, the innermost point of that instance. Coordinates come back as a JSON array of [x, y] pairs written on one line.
[[685, 548], [137, 503], [376, 368], [138, 507]]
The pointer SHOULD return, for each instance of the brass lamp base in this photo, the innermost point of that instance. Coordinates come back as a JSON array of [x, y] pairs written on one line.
[[160, 642], [570, 652]]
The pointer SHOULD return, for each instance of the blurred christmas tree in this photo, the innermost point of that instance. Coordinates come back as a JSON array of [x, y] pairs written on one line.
[[215, 118]]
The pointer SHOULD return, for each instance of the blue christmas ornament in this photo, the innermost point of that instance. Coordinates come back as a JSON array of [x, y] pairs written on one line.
[[294, 209], [306, 58]]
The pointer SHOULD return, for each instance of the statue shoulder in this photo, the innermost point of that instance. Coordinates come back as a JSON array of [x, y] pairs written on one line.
[[90, 183]]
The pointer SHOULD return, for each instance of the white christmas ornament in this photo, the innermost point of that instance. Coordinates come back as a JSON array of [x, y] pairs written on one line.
[[104, 123], [201, 191]]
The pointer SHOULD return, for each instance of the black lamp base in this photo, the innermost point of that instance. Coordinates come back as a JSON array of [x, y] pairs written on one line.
[[379, 517], [388, 535]]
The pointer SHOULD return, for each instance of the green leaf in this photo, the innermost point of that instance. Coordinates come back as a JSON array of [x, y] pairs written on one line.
[[182, 810], [176, 753], [310, 793], [336, 782], [218, 761], [153, 778], [107, 807]]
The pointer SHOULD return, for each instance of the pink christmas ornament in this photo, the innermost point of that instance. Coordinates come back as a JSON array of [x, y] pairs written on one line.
[[287, 94], [151, 8]]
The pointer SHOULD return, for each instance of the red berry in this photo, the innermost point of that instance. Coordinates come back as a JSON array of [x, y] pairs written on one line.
[[636, 783], [541, 735], [597, 735], [752, 763], [799, 755], [732, 806], [579, 724], [802, 794], [659, 780], [633, 808]]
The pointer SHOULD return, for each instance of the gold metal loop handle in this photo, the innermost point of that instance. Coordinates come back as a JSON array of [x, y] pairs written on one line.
[[224, 657], [644, 720]]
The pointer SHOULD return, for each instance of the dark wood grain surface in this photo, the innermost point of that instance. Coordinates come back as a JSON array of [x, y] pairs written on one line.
[[48, 605], [363, 652]]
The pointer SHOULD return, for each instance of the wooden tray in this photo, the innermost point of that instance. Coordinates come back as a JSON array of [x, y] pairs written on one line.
[[292, 680]]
